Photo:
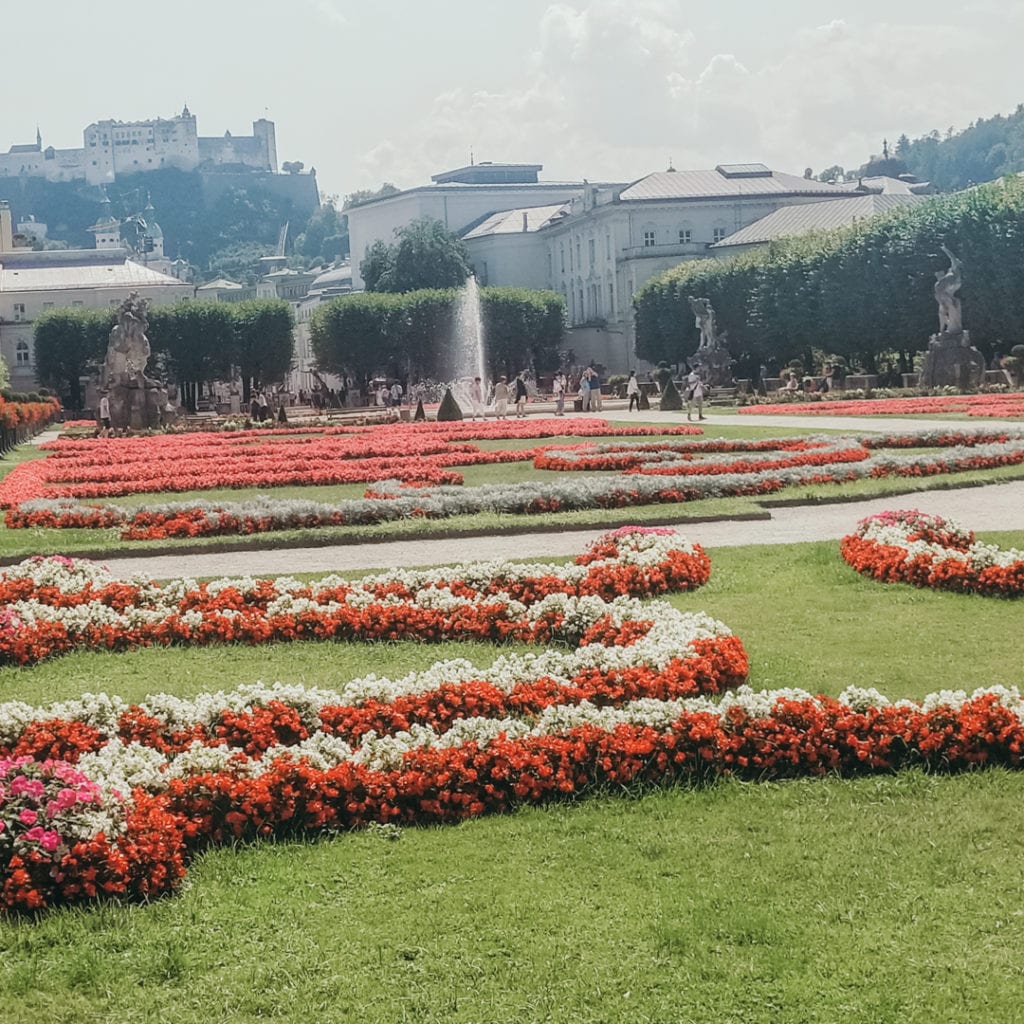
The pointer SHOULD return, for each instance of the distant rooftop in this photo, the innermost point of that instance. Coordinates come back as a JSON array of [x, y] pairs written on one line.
[[726, 181], [799, 219], [488, 173], [20, 274], [510, 222]]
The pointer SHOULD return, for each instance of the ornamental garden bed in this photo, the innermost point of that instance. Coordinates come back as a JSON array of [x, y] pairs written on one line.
[[996, 405], [407, 466], [578, 894]]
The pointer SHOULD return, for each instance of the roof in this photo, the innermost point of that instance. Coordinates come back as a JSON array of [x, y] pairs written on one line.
[[799, 219], [515, 222], [725, 181], [222, 284], [15, 277], [510, 173], [887, 185], [27, 147], [333, 277]]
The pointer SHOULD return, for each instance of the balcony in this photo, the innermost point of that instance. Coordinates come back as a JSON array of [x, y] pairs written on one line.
[[689, 250]]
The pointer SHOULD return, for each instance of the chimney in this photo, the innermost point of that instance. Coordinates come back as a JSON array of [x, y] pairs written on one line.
[[525, 221], [6, 227]]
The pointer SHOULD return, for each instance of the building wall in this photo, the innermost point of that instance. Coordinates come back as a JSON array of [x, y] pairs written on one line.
[[456, 206], [18, 310], [510, 260]]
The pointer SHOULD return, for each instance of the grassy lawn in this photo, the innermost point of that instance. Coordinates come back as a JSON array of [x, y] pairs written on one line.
[[874, 900]]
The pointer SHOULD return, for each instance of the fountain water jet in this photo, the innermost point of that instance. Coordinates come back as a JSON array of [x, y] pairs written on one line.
[[468, 347]]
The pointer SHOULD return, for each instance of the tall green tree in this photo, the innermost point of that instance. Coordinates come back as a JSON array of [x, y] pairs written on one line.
[[69, 345], [196, 341], [264, 343], [425, 254]]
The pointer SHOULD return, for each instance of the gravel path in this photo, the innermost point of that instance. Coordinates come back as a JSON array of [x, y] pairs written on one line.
[[995, 507]]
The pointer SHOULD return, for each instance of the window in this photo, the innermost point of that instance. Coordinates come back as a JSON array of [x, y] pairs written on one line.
[[21, 353], [649, 239], [561, 250], [591, 252], [608, 245], [579, 258], [719, 234], [685, 236], [19, 311], [78, 302], [47, 305], [611, 299]]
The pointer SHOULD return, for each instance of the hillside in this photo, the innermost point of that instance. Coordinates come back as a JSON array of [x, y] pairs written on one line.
[[206, 217]]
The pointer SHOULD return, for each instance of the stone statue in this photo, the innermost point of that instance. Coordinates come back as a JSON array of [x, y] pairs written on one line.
[[135, 401], [947, 284], [951, 360], [704, 318], [128, 347], [711, 360]]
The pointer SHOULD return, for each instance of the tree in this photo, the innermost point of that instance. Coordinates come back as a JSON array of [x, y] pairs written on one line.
[[69, 344], [292, 166], [195, 340], [368, 195], [425, 255], [833, 173], [263, 342], [377, 265]]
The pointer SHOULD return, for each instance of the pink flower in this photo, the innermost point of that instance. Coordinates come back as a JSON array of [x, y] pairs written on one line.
[[28, 816], [49, 841]]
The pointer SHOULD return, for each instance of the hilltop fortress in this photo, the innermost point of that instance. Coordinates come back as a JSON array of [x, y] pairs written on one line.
[[114, 148]]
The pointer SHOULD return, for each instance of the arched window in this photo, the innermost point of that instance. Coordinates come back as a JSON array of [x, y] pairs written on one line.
[[22, 356]]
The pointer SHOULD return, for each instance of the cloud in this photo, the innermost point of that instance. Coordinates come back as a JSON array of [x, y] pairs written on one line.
[[613, 88]]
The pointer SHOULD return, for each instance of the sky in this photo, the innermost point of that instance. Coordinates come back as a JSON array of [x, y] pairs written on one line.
[[607, 90]]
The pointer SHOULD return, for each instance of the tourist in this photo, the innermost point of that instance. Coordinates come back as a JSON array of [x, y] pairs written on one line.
[[522, 394], [501, 399], [263, 406], [694, 395], [633, 391], [793, 383], [595, 390], [476, 398], [585, 389], [396, 395], [254, 409], [105, 415], [558, 390]]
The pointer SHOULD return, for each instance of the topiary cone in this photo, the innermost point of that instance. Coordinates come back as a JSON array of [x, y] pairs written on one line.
[[645, 402], [449, 409], [671, 400], [419, 414]]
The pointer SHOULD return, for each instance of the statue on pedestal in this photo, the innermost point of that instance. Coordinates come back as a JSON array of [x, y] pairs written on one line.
[[135, 400], [711, 360], [951, 361]]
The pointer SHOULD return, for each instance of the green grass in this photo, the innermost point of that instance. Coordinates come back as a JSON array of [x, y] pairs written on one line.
[[889, 899]]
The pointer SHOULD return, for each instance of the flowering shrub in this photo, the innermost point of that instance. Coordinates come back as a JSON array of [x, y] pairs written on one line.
[[929, 551], [650, 472]]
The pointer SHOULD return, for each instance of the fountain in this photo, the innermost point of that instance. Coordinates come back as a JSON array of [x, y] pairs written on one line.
[[468, 346]]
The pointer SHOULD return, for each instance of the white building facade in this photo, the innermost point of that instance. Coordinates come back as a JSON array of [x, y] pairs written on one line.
[[458, 199]]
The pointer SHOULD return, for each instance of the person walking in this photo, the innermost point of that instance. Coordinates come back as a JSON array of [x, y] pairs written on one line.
[[476, 398], [501, 399], [633, 391], [595, 390], [522, 394], [694, 395], [585, 389]]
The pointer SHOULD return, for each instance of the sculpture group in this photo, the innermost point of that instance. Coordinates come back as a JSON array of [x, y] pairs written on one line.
[[136, 401], [711, 360]]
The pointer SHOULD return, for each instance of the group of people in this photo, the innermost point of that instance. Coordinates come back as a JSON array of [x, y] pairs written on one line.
[[260, 409]]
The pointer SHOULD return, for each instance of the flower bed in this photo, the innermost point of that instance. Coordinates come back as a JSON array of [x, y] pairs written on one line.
[[52, 605], [1001, 405], [650, 473], [929, 551], [109, 467]]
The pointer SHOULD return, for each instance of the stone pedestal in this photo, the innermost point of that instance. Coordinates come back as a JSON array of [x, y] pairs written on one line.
[[714, 366], [951, 362], [137, 408]]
